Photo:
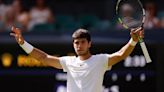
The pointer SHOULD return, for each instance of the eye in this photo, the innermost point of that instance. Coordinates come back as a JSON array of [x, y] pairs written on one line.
[[83, 41], [76, 42]]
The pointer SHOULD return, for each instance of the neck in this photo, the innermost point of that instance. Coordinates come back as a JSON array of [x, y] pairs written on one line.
[[84, 57]]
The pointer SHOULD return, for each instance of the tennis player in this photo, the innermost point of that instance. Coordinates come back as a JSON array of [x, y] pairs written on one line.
[[85, 72]]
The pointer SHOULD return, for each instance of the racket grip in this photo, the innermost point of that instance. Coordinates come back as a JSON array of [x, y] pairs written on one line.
[[146, 54]]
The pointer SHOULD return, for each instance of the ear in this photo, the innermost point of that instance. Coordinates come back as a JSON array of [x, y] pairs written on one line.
[[89, 43]]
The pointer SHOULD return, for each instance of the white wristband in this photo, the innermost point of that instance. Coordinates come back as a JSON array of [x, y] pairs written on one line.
[[27, 47], [132, 42]]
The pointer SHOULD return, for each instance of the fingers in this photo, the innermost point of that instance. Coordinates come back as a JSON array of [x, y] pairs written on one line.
[[142, 32], [133, 35], [17, 30], [138, 30], [12, 34], [141, 36], [132, 32], [14, 30]]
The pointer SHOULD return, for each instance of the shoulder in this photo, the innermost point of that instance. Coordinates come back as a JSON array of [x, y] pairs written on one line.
[[102, 55], [68, 58]]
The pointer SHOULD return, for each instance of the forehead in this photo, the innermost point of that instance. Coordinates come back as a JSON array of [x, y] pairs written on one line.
[[79, 39]]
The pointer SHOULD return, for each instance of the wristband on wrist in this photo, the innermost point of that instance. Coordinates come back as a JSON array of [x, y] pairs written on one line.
[[28, 48], [132, 42]]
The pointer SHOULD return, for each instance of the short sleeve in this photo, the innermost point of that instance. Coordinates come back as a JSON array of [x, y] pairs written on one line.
[[63, 62], [105, 59]]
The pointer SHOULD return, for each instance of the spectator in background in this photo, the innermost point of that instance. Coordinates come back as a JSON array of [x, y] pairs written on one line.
[[22, 16], [40, 14], [151, 20], [2, 9], [9, 20], [119, 26], [162, 23]]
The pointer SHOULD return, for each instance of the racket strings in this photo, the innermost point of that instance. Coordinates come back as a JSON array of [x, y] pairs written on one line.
[[130, 12]]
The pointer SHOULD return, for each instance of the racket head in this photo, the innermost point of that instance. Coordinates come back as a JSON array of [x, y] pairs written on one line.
[[130, 13]]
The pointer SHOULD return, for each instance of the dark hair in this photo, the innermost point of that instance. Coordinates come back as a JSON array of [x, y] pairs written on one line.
[[82, 33]]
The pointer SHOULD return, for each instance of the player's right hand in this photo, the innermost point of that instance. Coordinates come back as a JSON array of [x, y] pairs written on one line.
[[18, 35]]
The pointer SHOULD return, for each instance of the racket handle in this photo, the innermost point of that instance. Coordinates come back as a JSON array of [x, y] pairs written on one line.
[[146, 54]]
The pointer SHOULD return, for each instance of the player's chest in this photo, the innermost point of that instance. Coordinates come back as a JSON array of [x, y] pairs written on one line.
[[84, 70]]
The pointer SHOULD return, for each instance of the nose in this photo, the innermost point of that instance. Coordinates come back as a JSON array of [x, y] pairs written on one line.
[[79, 45]]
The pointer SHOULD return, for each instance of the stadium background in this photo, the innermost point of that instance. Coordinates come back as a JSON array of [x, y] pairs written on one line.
[[21, 73]]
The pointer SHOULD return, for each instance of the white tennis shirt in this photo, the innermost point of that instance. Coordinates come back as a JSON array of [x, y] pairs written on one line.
[[85, 75]]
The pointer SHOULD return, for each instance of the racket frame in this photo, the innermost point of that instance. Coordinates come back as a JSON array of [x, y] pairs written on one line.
[[142, 43]]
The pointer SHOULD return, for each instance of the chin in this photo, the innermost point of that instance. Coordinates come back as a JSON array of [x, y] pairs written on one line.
[[82, 53], [79, 54]]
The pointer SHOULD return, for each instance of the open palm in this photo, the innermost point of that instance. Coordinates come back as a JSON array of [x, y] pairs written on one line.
[[18, 35]]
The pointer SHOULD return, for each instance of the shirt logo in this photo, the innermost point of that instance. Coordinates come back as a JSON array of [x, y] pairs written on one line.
[[81, 64]]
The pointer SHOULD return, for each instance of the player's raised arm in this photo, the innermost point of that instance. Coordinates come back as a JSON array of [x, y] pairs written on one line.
[[34, 52], [127, 49]]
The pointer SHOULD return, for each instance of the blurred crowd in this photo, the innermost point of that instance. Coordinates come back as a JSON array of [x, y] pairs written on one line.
[[15, 15]]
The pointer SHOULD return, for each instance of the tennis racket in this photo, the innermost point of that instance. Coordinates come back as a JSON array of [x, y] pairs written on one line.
[[131, 15]]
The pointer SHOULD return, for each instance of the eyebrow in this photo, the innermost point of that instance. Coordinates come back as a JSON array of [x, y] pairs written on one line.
[[83, 40], [80, 41]]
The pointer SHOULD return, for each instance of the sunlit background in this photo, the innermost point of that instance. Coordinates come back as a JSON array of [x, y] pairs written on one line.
[[49, 24]]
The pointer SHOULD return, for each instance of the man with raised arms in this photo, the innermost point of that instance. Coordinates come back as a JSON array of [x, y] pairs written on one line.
[[84, 72]]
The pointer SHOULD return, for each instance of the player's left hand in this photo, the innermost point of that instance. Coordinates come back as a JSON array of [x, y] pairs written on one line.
[[139, 32]]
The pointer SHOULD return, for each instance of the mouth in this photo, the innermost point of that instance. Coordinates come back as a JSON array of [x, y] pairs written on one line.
[[79, 50]]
